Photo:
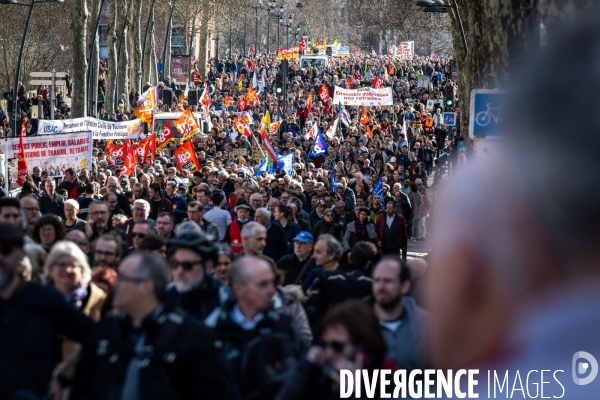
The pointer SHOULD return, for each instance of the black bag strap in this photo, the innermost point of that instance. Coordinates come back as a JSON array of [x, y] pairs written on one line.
[[298, 281]]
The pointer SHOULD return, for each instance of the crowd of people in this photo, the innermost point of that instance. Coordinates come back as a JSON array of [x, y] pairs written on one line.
[[226, 282]]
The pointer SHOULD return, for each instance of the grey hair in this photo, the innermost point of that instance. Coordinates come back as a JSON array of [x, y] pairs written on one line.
[[138, 185], [143, 202], [333, 245], [187, 226], [224, 174], [264, 211], [251, 228], [65, 247], [74, 203], [155, 269]]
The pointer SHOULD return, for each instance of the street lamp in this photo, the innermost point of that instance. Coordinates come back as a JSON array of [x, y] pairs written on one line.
[[255, 8], [438, 6], [279, 22], [297, 34], [270, 9], [20, 59], [288, 26]]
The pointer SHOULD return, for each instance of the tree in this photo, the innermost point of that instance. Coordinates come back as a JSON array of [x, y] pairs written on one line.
[[136, 45], [499, 35], [79, 16]]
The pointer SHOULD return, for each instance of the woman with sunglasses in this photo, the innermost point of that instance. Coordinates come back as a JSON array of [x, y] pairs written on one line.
[[327, 225], [351, 340]]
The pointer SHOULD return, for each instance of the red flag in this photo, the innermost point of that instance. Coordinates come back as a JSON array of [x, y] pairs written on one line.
[[139, 152], [227, 101], [22, 160], [186, 157], [302, 44], [150, 148], [324, 93], [186, 125], [244, 129], [309, 101], [251, 96], [110, 145], [242, 103], [349, 82], [122, 157], [357, 52], [264, 125], [376, 82], [165, 137], [364, 119]]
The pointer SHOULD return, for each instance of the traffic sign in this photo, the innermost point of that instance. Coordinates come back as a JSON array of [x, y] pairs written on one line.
[[485, 120], [449, 119], [47, 74], [47, 82]]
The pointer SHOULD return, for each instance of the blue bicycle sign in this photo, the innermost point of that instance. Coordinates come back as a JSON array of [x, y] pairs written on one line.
[[486, 114]]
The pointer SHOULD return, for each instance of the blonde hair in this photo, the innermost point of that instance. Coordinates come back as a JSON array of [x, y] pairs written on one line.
[[68, 248]]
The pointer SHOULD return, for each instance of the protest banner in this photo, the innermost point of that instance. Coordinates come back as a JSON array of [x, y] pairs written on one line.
[[240, 152], [406, 49], [100, 129], [54, 154], [293, 52], [365, 96]]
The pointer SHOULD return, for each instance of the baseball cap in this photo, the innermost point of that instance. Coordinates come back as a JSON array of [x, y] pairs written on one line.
[[393, 159], [304, 237], [244, 206]]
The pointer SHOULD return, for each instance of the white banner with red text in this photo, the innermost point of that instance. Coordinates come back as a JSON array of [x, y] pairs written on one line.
[[365, 96], [53, 154], [100, 129]]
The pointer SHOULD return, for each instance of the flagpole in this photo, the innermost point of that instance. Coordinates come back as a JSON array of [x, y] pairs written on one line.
[[258, 144]]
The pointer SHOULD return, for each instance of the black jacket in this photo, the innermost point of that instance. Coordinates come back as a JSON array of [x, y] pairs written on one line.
[[29, 349], [276, 242], [322, 228], [292, 266], [54, 206], [333, 287], [181, 360], [198, 302]]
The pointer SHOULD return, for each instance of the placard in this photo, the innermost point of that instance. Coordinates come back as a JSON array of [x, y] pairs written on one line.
[[365, 96], [240, 152], [257, 154], [53, 154]]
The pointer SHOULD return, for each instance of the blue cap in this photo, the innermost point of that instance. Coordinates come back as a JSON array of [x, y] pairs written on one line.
[[305, 237]]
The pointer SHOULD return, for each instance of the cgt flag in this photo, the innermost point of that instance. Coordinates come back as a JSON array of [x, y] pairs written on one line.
[[186, 125], [364, 118], [165, 137], [324, 93], [319, 146], [122, 157], [186, 157]]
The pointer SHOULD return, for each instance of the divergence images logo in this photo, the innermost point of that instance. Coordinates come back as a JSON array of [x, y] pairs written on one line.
[[583, 367]]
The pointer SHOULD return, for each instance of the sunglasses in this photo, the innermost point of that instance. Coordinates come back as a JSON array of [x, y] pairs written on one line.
[[140, 235], [186, 265], [336, 346]]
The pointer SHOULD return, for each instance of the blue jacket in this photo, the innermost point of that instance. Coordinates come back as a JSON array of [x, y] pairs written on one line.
[[179, 208]]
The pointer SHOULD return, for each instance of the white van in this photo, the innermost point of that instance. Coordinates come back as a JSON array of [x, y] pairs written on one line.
[[161, 118], [317, 61]]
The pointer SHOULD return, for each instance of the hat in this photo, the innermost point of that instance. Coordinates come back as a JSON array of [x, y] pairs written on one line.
[[181, 187], [393, 159], [315, 170], [243, 206], [418, 181], [304, 237], [198, 242]]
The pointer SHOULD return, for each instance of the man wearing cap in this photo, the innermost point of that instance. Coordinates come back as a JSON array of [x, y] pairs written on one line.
[[193, 288], [298, 264], [233, 234], [32, 318]]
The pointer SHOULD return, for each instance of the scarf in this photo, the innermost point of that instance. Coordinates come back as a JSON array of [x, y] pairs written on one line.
[[78, 296], [361, 229]]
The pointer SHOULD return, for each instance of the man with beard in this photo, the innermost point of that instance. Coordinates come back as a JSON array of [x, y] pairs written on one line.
[[32, 317], [193, 288], [403, 322], [98, 222], [107, 251]]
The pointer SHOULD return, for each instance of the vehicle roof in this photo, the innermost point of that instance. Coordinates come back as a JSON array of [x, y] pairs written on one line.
[[174, 115]]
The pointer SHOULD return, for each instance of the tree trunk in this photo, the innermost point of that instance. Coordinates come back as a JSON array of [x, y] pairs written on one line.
[[123, 74], [112, 43], [153, 77], [167, 60], [136, 46], [78, 56], [149, 76], [95, 59], [203, 38]]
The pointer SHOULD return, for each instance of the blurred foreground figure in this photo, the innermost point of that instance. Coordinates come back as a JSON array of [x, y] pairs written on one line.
[[514, 283]]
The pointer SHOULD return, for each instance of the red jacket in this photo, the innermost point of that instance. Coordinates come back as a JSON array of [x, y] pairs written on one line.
[[401, 236]]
